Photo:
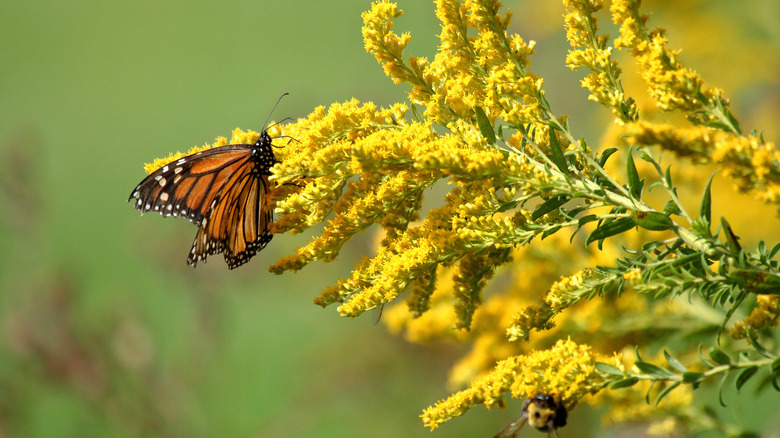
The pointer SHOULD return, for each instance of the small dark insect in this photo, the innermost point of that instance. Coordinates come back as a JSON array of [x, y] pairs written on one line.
[[541, 411], [223, 191]]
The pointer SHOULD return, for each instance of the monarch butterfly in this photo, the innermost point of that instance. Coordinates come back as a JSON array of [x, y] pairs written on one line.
[[221, 190]]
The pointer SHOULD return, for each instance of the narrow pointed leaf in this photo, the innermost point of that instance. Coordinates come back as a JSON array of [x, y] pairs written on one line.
[[484, 126], [610, 229], [674, 363], [557, 153], [634, 183], [550, 231], [605, 156], [731, 239], [652, 370], [721, 386], [624, 383], [719, 356], [751, 334], [692, 377], [744, 376], [665, 391], [671, 208], [548, 206], [652, 220], [608, 369], [705, 210]]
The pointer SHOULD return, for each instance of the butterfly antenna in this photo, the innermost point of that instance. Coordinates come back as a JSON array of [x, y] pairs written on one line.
[[272, 110], [279, 122]]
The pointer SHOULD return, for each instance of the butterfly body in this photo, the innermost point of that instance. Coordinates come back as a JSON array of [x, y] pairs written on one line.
[[221, 190]]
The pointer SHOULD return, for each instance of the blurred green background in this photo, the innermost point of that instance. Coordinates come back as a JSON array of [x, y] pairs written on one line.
[[106, 332]]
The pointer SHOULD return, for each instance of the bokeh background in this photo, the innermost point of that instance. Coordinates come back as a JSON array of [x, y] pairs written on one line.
[[104, 330]]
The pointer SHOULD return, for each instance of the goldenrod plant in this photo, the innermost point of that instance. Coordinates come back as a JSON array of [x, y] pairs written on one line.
[[608, 294]]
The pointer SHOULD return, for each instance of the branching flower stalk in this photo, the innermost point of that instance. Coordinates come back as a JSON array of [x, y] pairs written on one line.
[[478, 119]]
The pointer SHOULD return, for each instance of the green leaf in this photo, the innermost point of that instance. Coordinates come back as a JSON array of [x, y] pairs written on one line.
[[557, 153], [610, 228], [606, 368], [549, 205], [668, 176], [500, 132], [721, 385], [507, 206], [733, 121], [744, 376], [623, 383], [674, 363], [692, 377], [773, 252], [484, 126], [571, 214], [671, 208], [775, 367], [652, 220], [634, 183], [704, 361], [731, 239], [585, 219], [665, 391], [550, 231], [719, 356], [649, 390], [653, 370], [416, 113], [605, 156], [751, 334], [705, 210]]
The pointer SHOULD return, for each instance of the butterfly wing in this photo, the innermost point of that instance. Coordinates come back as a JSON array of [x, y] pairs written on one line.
[[189, 186], [238, 222]]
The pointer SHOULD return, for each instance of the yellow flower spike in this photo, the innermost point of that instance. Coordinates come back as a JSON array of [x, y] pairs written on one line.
[[754, 166], [566, 369], [671, 84], [382, 42], [589, 50]]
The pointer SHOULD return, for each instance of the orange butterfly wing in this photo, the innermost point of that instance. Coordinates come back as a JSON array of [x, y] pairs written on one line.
[[222, 190]]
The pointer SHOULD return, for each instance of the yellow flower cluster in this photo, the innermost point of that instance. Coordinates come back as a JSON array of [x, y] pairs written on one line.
[[487, 71], [566, 370], [671, 84], [589, 50], [766, 315], [367, 166], [562, 294], [754, 165]]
